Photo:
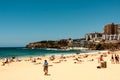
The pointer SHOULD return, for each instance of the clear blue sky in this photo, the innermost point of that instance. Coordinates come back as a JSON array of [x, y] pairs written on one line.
[[24, 21]]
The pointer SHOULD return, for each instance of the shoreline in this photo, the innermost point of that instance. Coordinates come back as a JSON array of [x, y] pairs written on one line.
[[28, 58], [58, 54], [69, 67]]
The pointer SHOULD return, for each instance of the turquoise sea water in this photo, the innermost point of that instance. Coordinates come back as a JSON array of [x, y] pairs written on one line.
[[7, 52]]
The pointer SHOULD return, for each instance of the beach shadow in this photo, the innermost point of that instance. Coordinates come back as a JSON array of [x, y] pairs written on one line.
[[48, 75]]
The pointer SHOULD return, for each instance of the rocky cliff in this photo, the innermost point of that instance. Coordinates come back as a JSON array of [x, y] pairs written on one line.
[[48, 44]]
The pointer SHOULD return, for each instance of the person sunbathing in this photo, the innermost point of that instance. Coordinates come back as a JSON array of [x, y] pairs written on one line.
[[6, 61]]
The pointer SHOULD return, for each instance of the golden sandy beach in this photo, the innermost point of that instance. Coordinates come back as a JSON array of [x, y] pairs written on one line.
[[67, 69]]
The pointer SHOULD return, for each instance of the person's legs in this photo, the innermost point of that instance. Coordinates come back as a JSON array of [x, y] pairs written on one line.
[[46, 70]]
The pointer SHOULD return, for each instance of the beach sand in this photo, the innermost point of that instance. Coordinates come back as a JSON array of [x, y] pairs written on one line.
[[67, 69]]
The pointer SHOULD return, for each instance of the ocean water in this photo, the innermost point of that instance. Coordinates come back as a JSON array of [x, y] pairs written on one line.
[[8, 52]]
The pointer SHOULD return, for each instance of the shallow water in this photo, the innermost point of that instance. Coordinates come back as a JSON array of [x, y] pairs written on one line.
[[7, 52]]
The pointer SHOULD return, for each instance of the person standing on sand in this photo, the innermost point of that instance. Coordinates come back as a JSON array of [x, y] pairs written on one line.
[[45, 67], [116, 59], [112, 59]]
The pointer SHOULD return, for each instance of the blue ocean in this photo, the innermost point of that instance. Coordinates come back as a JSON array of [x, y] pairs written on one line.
[[8, 52]]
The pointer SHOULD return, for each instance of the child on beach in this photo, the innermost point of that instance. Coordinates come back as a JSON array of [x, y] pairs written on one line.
[[45, 67]]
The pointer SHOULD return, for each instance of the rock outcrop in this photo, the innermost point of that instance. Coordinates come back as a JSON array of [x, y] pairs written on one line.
[[48, 44]]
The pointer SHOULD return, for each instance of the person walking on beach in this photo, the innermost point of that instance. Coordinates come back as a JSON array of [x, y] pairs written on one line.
[[112, 59], [116, 59], [45, 67]]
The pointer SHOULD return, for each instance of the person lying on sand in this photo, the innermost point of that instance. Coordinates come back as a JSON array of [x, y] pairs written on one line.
[[6, 62]]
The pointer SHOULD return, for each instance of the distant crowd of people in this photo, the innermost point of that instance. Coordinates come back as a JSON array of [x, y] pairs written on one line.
[[115, 59], [103, 64]]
